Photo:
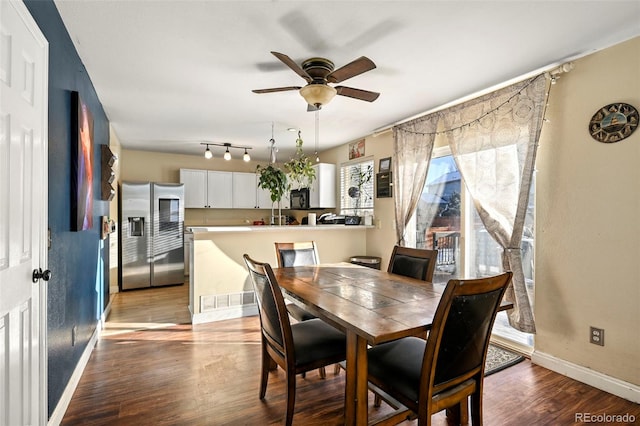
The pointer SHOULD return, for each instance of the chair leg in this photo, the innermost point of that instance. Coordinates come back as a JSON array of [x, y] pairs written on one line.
[[291, 397], [323, 372], [377, 400], [476, 408], [464, 412], [264, 373], [336, 369]]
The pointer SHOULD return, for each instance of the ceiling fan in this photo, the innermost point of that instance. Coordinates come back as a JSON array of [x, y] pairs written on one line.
[[318, 73]]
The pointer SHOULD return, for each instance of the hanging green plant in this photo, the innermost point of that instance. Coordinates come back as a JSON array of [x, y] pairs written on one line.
[[274, 180], [300, 168]]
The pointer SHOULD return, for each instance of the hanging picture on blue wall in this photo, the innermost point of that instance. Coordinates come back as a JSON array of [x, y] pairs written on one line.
[[82, 162]]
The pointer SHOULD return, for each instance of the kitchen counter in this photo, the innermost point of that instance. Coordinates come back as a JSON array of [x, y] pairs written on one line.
[[273, 228], [219, 283]]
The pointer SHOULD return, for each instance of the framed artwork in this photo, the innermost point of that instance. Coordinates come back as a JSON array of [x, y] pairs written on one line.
[[356, 149], [82, 165], [385, 165]]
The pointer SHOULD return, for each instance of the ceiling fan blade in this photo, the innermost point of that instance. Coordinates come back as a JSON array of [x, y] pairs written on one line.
[[363, 95], [276, 89], [357, 67], [291, 64]]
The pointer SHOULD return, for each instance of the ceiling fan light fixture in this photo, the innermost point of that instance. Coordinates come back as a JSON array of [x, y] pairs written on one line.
[[318, 94]]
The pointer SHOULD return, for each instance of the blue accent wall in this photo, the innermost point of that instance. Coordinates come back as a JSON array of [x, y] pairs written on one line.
[[78, 289]]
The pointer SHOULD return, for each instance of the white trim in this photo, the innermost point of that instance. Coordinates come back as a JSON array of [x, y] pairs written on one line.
[[512, 345], [72, 384], [225, 314], [586, 375]]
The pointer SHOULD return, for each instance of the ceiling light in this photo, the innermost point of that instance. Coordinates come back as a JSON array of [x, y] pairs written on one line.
[[318, 94], [207, 153], [227, 155]]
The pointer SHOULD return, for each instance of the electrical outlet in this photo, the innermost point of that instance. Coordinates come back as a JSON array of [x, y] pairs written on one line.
[[596, 336]]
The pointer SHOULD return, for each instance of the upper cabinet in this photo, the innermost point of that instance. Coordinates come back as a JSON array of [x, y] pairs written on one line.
[[206, 188], [239, 190], [195, 188], [323, 190], [244, 190], [219, 190]]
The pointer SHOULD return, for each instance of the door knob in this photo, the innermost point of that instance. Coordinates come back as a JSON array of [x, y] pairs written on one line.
[[40, 274]]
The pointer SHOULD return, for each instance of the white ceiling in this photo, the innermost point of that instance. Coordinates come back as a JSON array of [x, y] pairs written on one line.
[[173, 74]]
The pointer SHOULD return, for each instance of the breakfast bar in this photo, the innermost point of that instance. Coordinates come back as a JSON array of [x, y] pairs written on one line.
[[219, 284]]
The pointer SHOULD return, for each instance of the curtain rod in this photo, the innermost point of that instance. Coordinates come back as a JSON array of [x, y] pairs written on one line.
[[553, 70]]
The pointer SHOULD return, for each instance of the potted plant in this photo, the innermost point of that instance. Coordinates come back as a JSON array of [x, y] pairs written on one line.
[[274, 180], [300, 169]]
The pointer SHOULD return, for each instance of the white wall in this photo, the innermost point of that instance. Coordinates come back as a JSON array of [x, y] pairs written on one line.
[[588, 220]]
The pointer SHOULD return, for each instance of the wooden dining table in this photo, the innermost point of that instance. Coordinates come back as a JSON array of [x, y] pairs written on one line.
[[370, 306]]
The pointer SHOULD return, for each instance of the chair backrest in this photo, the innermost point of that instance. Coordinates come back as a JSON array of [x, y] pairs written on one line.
[[414, 263], [274, 319], [457, 343], [297, 254]]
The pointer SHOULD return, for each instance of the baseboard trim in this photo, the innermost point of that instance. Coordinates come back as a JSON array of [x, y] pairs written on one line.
[[225, 314], [65, 398], [601, 381]]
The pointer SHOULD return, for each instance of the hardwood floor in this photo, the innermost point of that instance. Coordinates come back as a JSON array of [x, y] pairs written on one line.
[[151, 367]]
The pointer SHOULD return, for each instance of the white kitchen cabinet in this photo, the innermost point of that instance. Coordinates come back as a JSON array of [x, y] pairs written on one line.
[[244, 190], [263, 196], [206, 188], [323, 188], [188, 242], [220, 189], [195, 188]]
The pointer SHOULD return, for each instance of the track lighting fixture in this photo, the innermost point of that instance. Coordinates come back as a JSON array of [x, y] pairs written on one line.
[[208, 154]]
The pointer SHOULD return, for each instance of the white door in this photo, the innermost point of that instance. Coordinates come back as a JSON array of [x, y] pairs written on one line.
[[23, 216]]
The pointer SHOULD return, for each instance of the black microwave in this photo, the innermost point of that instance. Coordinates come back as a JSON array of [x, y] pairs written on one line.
[[300, 199]]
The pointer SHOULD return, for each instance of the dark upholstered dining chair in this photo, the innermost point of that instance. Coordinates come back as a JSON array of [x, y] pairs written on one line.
[[297, 254], [302, 253], [448, 368], [414, 263], [296, 348]]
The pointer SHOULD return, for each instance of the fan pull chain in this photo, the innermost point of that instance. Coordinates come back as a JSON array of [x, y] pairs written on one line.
[[317, 135]]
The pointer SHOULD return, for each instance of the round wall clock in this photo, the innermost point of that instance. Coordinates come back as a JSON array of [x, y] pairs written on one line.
[[613, 122]]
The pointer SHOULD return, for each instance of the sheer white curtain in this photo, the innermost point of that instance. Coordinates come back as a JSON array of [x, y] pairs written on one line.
[[412, 147], [494, 140]]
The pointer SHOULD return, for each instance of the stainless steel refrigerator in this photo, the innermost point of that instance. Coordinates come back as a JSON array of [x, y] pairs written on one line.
[[151, 235]]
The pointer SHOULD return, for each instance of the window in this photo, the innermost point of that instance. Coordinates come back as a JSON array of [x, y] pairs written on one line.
[[446, 220], [356, 188], [440, 204]]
